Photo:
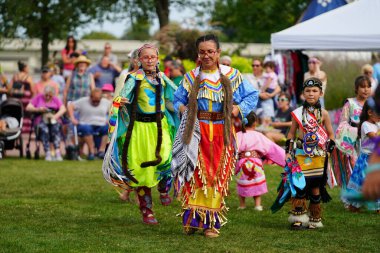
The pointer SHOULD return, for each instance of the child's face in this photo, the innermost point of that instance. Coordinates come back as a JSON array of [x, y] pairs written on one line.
[[268, 69], [373, 116], [312, 94], [364, 91]]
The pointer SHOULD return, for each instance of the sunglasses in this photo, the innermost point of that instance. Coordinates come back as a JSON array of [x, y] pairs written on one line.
[[282, 99], [312, 62], [256, 65]]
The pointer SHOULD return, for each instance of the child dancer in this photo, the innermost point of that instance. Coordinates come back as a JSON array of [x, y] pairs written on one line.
[[253, 146], [345, 155], [367, 130], [316, 136]]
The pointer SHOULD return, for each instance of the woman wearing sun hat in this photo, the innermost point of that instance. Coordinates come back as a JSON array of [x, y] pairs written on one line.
[[80, 83]]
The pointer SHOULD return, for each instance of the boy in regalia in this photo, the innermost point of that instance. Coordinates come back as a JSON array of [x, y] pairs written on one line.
[[315, 141]]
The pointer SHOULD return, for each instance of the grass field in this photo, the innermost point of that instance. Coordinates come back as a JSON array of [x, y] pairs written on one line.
[[68, 207]]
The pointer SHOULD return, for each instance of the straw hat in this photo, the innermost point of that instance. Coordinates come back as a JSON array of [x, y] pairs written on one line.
[[82, 58]]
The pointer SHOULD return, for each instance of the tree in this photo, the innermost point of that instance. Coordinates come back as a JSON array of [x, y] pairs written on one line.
[[156, 8], [94, 35], [177, 41], [49, 19], [254, 20]]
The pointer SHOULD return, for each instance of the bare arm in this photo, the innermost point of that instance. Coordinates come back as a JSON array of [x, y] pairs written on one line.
[[66, 90], [70, 110], [281, 124], [60, 112], [293, 129], [371, 135], [30, 80], [66, 59], [116, 67], [92, 82]]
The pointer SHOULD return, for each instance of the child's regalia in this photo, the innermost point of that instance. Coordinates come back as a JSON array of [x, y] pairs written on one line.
[[139, 153], [346, 152], [307, 170]]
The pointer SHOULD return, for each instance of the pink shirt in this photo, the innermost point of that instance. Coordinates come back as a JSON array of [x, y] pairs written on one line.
[[39, 87], [39, 101], [255, 141], [68, 66], [273, 84]]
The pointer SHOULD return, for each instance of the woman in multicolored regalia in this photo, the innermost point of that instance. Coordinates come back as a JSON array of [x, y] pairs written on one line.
[[139, 154], [204, 151]]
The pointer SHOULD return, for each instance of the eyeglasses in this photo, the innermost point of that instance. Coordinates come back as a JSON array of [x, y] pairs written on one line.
[[311, 62], [146, 58], [256, 65], [202, 53], [282, 99], [368, 72]]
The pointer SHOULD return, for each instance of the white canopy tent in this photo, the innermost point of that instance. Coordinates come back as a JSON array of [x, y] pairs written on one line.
[[353, 27]]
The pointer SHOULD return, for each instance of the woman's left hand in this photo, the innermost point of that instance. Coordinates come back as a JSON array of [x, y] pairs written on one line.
[[235, 110]]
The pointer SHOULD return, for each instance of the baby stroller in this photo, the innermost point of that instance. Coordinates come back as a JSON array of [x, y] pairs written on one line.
[[11, 138]]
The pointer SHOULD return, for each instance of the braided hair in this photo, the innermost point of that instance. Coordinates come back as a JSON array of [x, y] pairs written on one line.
[[193, 96]]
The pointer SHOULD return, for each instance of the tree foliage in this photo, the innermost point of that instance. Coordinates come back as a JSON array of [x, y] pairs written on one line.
[[177, 41], [254, 20], [49, 19], [95, 35]]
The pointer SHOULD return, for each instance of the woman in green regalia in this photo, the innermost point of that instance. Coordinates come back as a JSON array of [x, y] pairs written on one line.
[[139, 153]]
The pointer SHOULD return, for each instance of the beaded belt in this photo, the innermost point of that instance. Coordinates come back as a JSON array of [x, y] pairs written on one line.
[[212, 116], [249, 154], [142, 117]]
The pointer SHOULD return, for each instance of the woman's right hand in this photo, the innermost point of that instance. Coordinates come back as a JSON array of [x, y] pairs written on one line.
[[124, 101], [182, 108], [75, 122]]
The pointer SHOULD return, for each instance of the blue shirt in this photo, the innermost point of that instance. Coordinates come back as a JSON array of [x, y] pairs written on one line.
[[108, 75]]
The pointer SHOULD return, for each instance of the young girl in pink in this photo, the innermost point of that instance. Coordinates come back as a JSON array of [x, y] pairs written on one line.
[[253, 147]]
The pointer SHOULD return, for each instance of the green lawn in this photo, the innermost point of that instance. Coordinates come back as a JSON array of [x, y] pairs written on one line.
[[68, 207]]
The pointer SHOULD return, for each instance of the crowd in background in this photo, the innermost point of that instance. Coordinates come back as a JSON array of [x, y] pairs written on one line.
[[77, 94]]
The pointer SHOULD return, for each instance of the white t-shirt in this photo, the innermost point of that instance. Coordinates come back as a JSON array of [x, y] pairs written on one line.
[[367, 145], [257, 82], [90, 114]]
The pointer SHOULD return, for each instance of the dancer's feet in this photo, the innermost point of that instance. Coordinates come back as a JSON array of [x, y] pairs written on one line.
[[165, 199], [149, 219], [210, 233]]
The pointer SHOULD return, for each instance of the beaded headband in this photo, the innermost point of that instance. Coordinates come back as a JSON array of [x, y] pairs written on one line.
[[312, 82]]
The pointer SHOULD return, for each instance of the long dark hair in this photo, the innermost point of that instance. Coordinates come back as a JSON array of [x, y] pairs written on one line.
[[193, 98], [360, 82], [21, 66], [67, 43], [363, 117], [250, 121], [207, 37]]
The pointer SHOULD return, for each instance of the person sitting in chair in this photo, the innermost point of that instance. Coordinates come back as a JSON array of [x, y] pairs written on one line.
[[50, 110], [93, 112]]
